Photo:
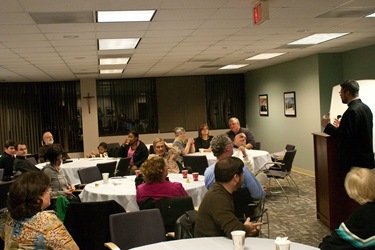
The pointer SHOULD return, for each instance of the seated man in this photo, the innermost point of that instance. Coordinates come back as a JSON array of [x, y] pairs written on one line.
[[21, 163], [169, 154], [235, 128], [222, 147], [47, 143], [242, 153], [7, 160], [216, 216]]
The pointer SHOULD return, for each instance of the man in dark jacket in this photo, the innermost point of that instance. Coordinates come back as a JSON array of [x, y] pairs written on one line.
[[7, 160], [21, 163]]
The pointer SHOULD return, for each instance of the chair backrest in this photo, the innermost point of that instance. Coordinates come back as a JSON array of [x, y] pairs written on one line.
[[257, 145], [107, 167], [172, 208], [4, 190], [1, 174], [244, 205], [197, 163], [35, 156], [112, 149], [287, 162], [169, 140], [185, 225], [137, 228], [123, 166], [289, 147], [90, 174], [88, 222], [32, 160], [151, 150]]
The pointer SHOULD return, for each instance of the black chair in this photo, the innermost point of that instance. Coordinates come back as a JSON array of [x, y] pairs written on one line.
[[88, 175], [136, 229], [112, 149], [197, 163], [151, 150], [35, 156], [246, 207], [257, 145], [32, 160], [169, 140], [123, 167], [88, 222], [185, 225], [282, 170], [107, 167], [1, 174], [4, 190], [278, 156], [172, 208]]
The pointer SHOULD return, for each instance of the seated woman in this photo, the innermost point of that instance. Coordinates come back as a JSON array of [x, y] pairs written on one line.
[[59, 184], [156, 186], [134, 148], [358, 231], [169, 154], [102, 151], [25, 225], [204, 139], [185, 145]]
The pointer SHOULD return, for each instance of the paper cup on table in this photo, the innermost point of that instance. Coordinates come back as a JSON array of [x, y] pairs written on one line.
[[282, 243], [195, 176], [184, 174], [201, 150], [105, 178], [238, 238]]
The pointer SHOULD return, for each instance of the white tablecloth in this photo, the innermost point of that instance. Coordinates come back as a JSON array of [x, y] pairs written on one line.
[[123, 190], [218, 243], [260, 157], [70, 169]]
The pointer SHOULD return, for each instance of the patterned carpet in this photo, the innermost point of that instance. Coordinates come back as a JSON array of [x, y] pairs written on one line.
[[296, 219]]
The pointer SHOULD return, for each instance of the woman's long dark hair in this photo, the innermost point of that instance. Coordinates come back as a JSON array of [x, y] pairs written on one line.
[[24, 195]]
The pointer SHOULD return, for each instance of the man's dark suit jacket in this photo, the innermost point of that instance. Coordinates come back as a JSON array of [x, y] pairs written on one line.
[[355, 136]]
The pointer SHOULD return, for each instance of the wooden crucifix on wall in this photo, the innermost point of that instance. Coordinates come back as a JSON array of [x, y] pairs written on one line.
[[88, 97]]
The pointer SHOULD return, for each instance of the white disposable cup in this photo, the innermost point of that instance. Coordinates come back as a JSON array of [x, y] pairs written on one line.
[[238, 238], [105, 178], [283, 246], [201, 150]]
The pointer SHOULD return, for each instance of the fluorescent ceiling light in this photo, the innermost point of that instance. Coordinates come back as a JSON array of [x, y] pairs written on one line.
[[234, 66], [264, 56], [125, 16], [371, 15], [113, 61], [111, 71], [317, 38], [126, 43]]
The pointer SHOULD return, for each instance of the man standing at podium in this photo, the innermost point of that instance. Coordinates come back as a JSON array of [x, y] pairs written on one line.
[[354, 130]]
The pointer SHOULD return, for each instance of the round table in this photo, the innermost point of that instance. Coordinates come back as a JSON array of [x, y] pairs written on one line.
[[123, 190], [218, 243], [260, 157], [70, 169]]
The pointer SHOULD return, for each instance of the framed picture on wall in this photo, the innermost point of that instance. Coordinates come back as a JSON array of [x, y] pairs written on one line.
[[290, 104], [263, 105]]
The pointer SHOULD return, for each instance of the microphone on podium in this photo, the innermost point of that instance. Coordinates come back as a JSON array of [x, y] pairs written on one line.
[[339, 117]]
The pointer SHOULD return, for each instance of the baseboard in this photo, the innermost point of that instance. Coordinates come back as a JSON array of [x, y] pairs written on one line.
[[303, 171]]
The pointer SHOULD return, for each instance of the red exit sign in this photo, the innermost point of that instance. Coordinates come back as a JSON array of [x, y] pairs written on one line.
[[260, 12]]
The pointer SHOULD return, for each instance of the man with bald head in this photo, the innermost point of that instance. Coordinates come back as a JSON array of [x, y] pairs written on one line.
[[47, 143]]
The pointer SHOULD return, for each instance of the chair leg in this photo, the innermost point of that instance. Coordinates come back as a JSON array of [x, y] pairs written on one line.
[[294, 183], [282, 189]]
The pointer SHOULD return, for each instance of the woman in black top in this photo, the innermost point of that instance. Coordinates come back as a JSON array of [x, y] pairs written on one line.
[[204, 139]]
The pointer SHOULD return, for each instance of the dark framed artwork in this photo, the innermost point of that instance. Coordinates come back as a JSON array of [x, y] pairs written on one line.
[[290, 103], [263, 105]]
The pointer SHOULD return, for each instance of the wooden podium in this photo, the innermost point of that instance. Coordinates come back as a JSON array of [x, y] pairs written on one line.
[[333, 205]]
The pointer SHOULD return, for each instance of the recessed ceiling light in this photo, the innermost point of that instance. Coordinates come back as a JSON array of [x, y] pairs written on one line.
[[234, 66], [371, 15], [125, 16], [70, 36], [126, 43], [317, 38], [265, 56], [111, 71], [113, 61]]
